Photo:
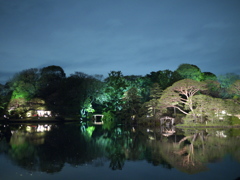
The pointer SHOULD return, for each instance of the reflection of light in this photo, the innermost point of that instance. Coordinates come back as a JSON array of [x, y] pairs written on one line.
[[38, 128], [29, 114], [168, 133], [220, 134], [42, 113], [28, 128], [223, 112], [133, 129], [42, 128], [31, 128]]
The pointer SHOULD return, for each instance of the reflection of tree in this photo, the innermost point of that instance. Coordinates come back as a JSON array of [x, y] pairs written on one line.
[[172, 154], [121, 144], [192, 152], [117, 158], [63, 144], [188, 151], [137, 146], [114, 141]]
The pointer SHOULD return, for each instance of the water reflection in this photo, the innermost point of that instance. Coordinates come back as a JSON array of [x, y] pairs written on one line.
[[49, 147]]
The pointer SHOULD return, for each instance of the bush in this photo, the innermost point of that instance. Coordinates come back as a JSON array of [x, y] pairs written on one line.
[[109, 120], [233, 120]]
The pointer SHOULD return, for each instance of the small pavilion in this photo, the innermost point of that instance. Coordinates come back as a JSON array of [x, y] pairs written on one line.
[[167, 120], [97, 119]]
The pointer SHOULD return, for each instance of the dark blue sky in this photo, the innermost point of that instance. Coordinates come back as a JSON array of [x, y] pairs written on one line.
[[133, 36]]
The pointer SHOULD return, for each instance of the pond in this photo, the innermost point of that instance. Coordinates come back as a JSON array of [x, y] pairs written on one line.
[[81, 151]]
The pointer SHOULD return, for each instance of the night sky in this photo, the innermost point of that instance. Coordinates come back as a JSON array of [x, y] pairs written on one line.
[[132, 36]]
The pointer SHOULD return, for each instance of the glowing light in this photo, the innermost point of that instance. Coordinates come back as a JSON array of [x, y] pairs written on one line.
[[42, 113]]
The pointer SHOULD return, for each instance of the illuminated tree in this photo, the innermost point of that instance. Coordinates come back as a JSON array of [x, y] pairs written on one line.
[[180, 95], [226, 80], [141, 83], [24, 87], [206, 107], [189, 71], [213, 88], [211, 109], [115, 86], [79, 92], [153, 104], [25, 84], [131, 104], [109, 120], [209, 76], [235, 88]]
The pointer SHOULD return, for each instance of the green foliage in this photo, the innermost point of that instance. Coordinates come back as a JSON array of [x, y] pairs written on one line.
[[235, 88], [213, 88], [235, 132], [5, 96], [209, 76], [115, 86], [164, 78], [233, 120], [180, 95], [22, 151], [79, 92], [90, 130], [131, 100], [25, 84], [189, 71], [87, 108], [153, 104], [231, 106], [109, 120], [142, 84], [198, 95], [227, 81]]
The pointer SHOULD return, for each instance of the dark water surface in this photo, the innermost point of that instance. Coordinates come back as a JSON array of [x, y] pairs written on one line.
[[76, 151]]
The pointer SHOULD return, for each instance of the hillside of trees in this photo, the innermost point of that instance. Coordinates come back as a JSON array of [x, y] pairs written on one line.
[[188, 94]]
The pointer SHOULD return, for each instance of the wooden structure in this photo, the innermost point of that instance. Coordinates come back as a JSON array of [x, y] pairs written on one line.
[[97, 119], [167, 120]]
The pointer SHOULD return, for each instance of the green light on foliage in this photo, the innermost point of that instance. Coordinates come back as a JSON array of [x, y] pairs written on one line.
[[90, 130], [17, 95]]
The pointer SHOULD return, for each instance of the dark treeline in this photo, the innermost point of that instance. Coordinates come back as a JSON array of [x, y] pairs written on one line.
[[199, 96]]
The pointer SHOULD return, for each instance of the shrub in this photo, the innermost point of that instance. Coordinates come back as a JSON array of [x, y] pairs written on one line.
[[233, 120], [109, 120]]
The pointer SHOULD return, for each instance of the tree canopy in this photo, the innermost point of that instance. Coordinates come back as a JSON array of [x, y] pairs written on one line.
[[199, 96], [189, 71], [180, 95]]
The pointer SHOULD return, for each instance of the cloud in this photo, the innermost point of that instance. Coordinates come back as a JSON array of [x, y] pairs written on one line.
[[136, 37]]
